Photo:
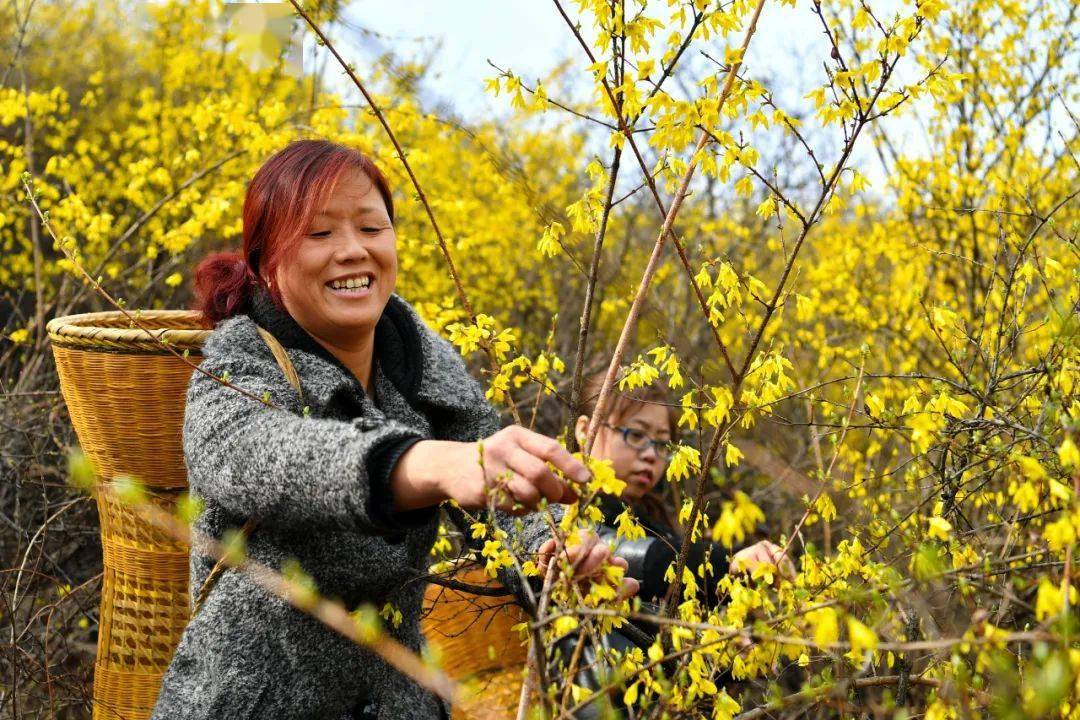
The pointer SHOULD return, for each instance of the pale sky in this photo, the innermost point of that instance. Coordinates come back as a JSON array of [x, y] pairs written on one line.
[[530, 38]]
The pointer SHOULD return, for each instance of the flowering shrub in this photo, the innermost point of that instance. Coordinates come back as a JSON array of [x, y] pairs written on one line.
[[871, 342]]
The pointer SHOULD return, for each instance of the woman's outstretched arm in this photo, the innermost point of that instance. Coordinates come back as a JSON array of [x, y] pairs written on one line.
[[271, 463]]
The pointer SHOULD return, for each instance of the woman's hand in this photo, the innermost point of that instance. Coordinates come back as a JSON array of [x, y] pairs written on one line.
[[588, 559], [521, 457], [763, 552], [432, 471]]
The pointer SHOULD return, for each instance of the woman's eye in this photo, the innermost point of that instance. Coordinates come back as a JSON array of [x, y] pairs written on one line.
[[637, 435], [372, 229], [322, 233]]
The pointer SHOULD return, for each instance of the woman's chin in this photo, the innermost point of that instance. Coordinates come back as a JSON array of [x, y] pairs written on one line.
[[355, 312]]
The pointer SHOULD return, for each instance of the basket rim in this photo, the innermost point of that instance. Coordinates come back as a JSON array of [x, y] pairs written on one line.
[[88, 328]]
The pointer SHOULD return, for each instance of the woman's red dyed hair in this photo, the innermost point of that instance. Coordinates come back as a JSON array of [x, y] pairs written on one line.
[[280, 203]]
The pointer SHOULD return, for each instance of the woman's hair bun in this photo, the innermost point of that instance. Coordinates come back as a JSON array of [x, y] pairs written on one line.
[[223, 285]]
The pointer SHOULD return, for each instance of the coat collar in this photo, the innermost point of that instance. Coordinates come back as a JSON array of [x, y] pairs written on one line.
[[408, 351]]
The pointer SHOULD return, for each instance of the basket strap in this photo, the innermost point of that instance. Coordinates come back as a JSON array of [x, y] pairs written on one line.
[[216, 571], [282, 358], [293, 377]]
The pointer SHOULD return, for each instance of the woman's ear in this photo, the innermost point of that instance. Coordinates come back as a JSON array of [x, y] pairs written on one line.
[[581, 428]]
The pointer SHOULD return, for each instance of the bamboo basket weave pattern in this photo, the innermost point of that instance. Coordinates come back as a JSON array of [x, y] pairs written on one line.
[[125, 394], [477, 646]]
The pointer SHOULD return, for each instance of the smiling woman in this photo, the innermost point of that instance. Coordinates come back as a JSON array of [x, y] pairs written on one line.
[[343, 270], [345, 471], [339, 232]]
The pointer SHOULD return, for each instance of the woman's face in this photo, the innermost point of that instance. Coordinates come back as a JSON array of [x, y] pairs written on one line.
[[350, 238], [639, 469]]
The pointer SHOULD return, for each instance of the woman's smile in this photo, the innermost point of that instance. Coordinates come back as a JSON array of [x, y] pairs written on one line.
[[353, 287]]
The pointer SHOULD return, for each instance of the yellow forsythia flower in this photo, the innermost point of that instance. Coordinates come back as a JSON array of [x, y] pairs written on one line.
[[825, 625], [940, 528], [862, 638]]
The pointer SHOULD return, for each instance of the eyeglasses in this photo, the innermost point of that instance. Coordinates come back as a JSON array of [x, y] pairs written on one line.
[[638, 440]]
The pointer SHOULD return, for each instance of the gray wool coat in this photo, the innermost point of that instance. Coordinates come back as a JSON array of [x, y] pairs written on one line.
[[318, 488]]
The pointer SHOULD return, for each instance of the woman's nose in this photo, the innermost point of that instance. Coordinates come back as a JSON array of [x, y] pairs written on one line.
[[352, 246]]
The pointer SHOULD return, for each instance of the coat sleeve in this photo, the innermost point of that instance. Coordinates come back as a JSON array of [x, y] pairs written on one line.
[[527, 533], [272, 463]]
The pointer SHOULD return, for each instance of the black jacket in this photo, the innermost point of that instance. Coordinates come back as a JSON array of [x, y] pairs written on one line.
[[648, 558]]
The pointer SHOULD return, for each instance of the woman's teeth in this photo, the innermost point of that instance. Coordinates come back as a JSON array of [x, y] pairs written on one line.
[[351, 284]]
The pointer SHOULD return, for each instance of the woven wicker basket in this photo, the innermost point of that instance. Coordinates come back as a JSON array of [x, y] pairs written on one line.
[[125, 394], [477, 646]]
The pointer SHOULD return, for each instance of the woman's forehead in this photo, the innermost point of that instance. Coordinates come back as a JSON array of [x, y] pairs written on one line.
[[354, 194], [647, 415], [349, 208]]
